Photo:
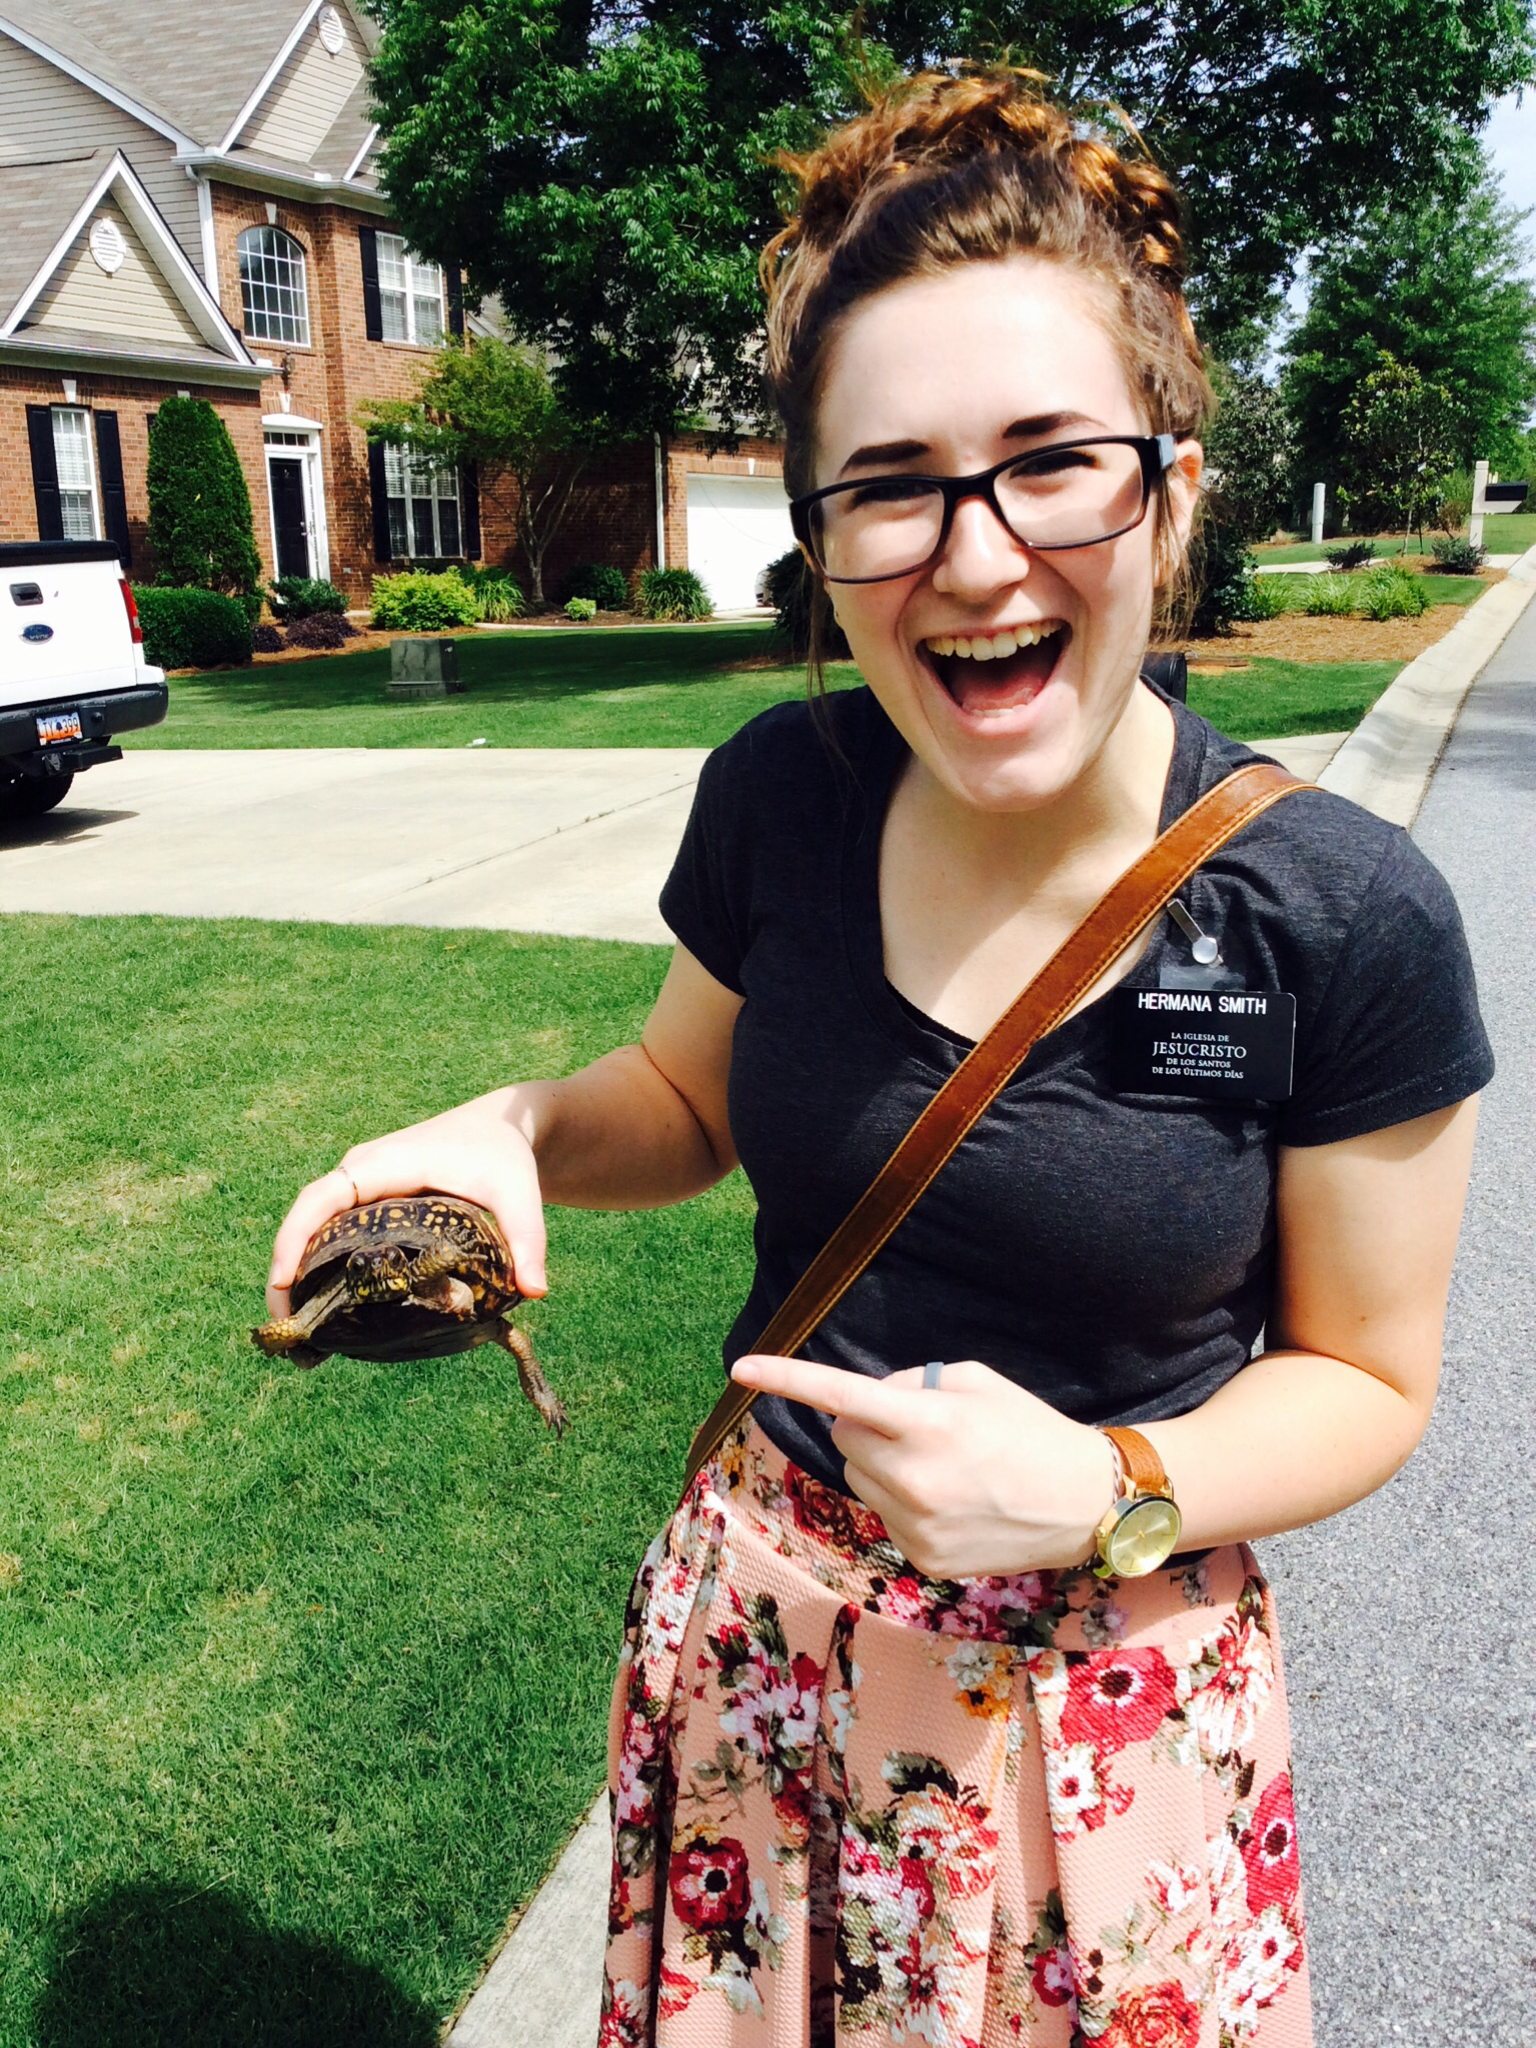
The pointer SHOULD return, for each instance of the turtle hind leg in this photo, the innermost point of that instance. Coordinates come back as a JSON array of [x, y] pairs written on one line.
[[530, 1374]]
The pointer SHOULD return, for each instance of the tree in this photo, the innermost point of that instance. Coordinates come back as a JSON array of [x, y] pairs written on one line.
[[1439, 288], [1250, 453], [606, 171], [199, 506], [492, 404], [1399, 447]]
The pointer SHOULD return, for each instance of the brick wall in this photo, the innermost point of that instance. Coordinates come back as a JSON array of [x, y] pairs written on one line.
[[697, 452], [133, 399]]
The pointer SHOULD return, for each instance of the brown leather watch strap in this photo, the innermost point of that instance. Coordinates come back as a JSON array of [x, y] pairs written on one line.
[[1125, 909], [1143, 1467]]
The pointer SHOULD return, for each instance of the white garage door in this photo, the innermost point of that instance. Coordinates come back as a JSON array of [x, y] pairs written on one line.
[[736, 525]]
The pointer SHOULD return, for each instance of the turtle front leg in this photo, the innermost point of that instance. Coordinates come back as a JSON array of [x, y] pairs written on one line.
[[530, 1374], [288, 1337]]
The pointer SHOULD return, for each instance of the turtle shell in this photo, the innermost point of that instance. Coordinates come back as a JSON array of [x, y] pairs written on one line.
[[435, 1233]]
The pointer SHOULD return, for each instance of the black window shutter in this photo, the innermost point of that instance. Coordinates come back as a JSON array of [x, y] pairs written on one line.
[[380, 491], [114, 498], [469, 510], [373, 312], [45, 473], [455, 304]]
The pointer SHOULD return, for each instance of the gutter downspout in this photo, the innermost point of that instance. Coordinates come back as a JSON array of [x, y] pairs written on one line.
[[661, 505]]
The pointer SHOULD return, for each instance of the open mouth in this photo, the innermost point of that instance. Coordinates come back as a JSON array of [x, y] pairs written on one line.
[[990, 673]]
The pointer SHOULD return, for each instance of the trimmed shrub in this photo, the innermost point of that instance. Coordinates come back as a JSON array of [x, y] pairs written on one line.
[[1392, 592], [498, 595], [671, 594], [192, 628], [321, 629], [1353, 554], [607, 587], [582, 609], [266, 640], [199, 507], [301, 597], [1225, 580], [1454, 556], [414, 602], [1329, 597], [790, 588]]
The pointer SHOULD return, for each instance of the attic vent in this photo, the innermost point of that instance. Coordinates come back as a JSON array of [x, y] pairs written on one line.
[[108, 245], [329, 28]]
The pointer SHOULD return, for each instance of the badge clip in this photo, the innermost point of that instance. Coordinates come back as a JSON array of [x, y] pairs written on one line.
[[1203, 949]]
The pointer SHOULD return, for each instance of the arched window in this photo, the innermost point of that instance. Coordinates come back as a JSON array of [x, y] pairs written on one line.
[[272, 287]]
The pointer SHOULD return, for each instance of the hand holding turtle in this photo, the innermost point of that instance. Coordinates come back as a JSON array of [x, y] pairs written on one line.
[[973, 1478]]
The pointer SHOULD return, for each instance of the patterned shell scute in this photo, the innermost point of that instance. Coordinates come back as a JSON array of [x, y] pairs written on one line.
[[361, 1242]]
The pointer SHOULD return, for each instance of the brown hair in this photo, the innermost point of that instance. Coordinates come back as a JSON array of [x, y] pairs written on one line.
[[947, 170]]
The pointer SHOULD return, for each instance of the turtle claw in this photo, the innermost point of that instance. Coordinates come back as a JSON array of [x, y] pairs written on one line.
[[531, 1378]]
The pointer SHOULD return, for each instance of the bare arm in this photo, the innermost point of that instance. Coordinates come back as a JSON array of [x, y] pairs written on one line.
[[642, 1126]]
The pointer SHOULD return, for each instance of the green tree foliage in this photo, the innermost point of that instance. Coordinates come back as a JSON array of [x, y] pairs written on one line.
[[606, 170], [1398, 447], [1250, 454], [493, 405], [1438, 287], [199, 506]]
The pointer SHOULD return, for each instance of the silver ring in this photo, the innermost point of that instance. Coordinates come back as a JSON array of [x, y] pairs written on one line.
[[357, 1200], [931, 1372]]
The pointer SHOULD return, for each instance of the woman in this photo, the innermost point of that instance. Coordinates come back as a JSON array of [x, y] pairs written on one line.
[[890, 1759]]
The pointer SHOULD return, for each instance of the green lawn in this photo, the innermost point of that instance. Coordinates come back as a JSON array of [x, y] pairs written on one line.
[[1504, 533], [662, 688], [302, 1676]]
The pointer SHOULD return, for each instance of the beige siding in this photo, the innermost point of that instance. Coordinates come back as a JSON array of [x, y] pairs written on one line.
[[134, 301], [307, 95], [45, 115]]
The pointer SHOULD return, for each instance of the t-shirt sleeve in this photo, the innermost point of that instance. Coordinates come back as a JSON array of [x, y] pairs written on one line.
[[1397, 1032], [702, 898]]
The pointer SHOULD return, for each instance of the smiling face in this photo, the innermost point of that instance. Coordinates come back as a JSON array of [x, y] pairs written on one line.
[[1008, 673]]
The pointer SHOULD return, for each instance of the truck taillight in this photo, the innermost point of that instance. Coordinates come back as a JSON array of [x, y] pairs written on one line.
[[132, 610]]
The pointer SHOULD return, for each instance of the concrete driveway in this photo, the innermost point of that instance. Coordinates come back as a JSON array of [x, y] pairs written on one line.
[[541, 839]]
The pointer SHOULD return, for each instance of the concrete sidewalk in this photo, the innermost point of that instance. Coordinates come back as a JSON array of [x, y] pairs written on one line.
[[539, 839]]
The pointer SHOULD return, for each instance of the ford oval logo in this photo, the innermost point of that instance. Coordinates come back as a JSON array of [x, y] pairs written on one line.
[[38, 632]]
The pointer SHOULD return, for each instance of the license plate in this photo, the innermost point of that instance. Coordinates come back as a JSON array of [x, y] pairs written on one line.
[[58, 725]]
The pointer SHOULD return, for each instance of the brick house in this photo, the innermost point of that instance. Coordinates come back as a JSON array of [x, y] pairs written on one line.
[[188, 204]]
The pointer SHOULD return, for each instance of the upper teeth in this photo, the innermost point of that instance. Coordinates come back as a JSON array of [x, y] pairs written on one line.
[[993, 646]]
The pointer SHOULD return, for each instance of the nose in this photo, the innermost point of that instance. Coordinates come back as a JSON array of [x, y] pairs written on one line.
[[980, 555]]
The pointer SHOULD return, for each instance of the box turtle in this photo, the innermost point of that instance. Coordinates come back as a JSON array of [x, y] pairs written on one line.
[[418, 1276]]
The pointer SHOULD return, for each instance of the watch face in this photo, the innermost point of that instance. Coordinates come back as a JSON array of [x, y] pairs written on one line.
[[1145, 1536]]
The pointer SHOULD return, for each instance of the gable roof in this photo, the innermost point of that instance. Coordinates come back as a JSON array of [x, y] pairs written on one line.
[[196, 71], [68, 197]]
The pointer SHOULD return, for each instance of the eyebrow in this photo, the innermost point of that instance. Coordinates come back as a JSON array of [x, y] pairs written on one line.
[[885, 452]]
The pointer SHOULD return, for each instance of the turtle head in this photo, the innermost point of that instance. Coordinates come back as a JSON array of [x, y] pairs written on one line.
[[382, 1275]]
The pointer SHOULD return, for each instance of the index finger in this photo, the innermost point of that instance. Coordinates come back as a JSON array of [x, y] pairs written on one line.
[[315, 1204], [889, 1411]]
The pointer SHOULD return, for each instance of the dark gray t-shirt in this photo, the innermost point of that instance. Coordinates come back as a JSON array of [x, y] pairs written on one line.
[[1112, 1252]]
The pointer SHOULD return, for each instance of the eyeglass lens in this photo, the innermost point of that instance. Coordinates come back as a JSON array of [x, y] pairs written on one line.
[[1054, 498]]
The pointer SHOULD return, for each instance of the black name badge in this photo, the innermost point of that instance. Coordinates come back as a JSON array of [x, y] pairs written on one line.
[[1229, 1044]]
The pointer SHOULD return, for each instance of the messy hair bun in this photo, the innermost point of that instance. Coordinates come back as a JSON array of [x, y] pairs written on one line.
[[947, 170]]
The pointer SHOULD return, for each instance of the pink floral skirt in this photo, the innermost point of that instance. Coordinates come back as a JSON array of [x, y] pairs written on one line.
[[855, 1804]]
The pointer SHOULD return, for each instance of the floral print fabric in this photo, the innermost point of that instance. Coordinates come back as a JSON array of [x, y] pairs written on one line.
[[852, 1804]]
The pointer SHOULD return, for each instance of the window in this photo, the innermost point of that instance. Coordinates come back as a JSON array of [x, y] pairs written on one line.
[[272, 290], [77, 472], [410, 294], [423, 504]]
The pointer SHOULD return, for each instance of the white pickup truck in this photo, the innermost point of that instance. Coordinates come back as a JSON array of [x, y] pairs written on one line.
[[72, 669]]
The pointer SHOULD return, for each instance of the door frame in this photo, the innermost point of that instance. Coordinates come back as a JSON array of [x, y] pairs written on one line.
[[285, 436]]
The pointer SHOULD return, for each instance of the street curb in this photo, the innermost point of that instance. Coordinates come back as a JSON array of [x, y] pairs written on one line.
[[544, 1986], [1386, 763]]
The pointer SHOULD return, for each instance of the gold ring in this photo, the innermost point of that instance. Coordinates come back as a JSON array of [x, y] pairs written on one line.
[[357, 1200]]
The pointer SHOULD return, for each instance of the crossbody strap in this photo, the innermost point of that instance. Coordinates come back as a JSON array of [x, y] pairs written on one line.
[[1125, 909]]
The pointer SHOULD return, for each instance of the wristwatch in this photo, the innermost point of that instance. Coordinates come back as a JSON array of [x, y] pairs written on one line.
[[1140, 1531]]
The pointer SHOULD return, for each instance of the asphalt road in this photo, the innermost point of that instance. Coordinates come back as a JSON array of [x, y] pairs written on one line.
[[1407, 1621]]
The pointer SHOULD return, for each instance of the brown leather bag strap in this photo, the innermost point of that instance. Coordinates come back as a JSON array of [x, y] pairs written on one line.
[[1126, 908]]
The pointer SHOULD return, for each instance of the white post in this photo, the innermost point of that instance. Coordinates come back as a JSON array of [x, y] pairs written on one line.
[[661, 505], [1479, 487], [1319, 504]]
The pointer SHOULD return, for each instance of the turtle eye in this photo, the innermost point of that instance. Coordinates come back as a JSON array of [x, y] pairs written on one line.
[[357, 1265]]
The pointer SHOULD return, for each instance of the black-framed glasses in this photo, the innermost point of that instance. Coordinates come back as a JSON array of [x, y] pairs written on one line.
[[1072, 494]]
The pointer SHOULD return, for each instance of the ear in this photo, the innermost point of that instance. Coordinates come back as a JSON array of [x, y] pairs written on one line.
[[1181, 498]]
